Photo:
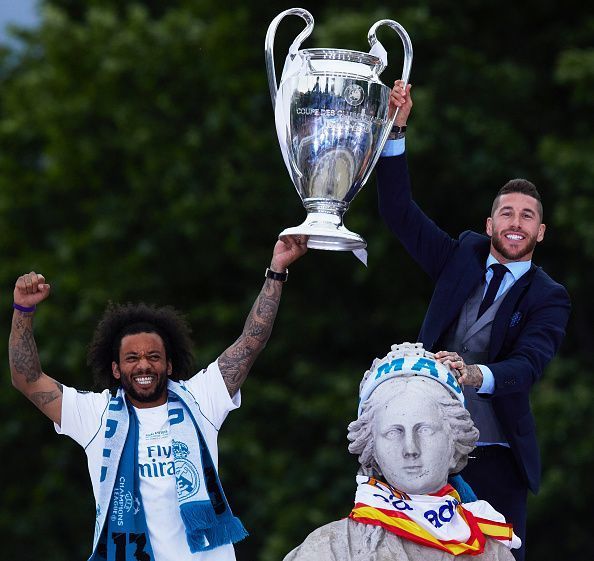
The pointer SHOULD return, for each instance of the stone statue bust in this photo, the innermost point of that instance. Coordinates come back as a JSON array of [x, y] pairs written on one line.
[[411, 433]]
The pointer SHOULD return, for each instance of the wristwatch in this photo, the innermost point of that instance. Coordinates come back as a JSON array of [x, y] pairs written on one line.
[[282, 277], [397, 132]]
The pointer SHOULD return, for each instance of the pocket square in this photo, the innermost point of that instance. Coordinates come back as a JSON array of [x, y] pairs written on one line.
[[515, 319]]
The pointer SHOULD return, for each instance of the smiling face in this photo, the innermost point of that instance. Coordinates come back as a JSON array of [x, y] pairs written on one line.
[[143, 369], [414, 447], [515, 227]]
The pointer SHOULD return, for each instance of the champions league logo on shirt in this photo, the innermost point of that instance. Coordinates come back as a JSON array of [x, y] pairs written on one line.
[[186, 475]]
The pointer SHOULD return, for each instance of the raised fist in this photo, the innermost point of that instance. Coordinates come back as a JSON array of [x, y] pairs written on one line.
[[30, 289]]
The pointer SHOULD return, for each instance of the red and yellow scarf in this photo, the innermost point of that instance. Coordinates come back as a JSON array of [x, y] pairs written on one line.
[[438, 520]]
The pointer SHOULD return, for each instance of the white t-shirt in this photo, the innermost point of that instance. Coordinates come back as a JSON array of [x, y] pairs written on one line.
[[83, 419]]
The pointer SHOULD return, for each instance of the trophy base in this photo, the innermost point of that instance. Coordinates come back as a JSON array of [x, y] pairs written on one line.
[[326, 231]]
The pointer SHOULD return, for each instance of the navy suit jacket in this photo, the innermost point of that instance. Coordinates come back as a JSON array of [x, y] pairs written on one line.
[[527, 330]]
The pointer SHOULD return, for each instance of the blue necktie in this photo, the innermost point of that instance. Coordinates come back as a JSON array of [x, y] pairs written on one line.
[[498, 274]]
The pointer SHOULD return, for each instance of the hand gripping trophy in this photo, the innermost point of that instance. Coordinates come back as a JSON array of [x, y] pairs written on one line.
[[332, 120]]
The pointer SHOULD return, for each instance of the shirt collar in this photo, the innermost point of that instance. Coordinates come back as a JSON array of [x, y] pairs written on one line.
[[516, 268]]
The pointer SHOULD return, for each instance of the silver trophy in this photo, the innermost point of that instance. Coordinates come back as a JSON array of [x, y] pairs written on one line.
[[331, 114]]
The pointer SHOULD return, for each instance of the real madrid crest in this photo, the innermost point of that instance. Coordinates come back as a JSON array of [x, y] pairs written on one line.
[[187, 478]]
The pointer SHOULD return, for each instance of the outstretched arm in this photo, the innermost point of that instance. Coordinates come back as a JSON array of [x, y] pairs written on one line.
[[236, 361], [427, 244], [25, 368]]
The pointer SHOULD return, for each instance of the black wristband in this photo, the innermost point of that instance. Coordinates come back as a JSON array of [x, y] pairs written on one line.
[[282, 277], [397, 132]]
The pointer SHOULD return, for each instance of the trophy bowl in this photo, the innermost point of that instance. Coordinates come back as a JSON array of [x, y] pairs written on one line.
[[332, 120]]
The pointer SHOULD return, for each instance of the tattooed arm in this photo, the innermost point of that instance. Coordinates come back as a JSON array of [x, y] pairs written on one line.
[[25, 368], [236, 361]]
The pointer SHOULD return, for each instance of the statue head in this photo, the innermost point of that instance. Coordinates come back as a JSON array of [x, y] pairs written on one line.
[[413, 429]]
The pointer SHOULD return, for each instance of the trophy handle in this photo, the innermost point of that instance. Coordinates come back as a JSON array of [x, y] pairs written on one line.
[[269, 44], [408, 50], [406, 65]]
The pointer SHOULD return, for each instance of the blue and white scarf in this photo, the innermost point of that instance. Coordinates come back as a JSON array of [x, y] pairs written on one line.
[[121, 532]]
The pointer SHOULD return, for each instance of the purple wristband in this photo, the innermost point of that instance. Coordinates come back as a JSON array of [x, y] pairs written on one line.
[[24, 309]]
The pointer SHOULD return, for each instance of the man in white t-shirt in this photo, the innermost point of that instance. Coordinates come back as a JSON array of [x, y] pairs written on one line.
[[142, 356]]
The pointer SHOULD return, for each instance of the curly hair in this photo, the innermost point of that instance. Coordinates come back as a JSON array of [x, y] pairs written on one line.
[[120, 320], [457, 417]]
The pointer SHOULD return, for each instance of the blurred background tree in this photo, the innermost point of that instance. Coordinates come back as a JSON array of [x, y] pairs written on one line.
[[139, 161]]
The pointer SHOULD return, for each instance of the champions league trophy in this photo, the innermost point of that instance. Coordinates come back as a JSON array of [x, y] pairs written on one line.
[[332, 121]]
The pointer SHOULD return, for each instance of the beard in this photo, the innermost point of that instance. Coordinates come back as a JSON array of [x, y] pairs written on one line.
[[517, 254], [154, 395]]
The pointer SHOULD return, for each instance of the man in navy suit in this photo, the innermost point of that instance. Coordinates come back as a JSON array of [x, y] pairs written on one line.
[[500, 317]]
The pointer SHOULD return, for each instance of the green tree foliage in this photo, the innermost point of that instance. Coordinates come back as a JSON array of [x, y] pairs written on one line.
[[138, 161]]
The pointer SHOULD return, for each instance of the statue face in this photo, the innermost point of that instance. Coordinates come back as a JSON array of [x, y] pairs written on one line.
[[413, 445]]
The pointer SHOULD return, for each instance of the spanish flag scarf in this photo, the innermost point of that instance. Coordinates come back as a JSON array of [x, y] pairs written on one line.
[[438, 520]]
